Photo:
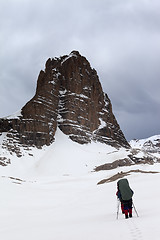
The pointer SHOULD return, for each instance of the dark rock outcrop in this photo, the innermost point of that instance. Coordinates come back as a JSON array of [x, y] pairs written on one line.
[[69, 96], [122, 174], [134, 157]]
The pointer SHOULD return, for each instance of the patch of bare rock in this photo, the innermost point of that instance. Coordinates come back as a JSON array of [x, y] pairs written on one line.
[[123, 174]]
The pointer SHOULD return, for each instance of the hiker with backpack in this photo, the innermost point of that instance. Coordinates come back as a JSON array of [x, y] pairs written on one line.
[[125, 194]]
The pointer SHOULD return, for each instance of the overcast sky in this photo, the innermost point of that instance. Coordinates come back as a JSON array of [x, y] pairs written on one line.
[[120, 38]]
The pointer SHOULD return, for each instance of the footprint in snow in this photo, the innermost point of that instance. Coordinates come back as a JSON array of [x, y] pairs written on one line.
[[135, 232]]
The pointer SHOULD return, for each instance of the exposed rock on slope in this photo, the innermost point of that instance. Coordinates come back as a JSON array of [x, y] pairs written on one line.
[[143, 151], [69, 96], [123, 174], [151, 144]]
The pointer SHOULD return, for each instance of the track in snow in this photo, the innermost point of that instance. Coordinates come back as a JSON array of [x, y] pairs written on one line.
[[134, 230]]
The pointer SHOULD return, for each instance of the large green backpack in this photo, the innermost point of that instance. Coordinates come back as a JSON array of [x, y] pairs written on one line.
[[125, 190]]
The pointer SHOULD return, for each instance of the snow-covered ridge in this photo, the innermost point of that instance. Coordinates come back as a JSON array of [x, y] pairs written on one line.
[[151, 144], [139, 143]]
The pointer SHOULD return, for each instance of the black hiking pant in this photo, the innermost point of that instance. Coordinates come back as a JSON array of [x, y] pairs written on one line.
[[127, 204]]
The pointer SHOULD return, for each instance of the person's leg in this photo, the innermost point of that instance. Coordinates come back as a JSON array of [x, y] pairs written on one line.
[[122, 207], [126, 213], [125, 204]]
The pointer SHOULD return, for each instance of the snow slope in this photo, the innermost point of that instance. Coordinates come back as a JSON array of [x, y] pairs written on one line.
[[53, 195], [63, 157], [69, 208]]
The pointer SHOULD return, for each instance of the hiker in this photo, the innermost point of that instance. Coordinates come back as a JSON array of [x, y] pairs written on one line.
[[125, 194]]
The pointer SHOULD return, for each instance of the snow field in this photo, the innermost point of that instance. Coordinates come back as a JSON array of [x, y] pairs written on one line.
[[58, 197], [68, 207]]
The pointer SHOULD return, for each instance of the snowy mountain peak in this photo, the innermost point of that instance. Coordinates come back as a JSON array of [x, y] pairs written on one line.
[[69, 96]]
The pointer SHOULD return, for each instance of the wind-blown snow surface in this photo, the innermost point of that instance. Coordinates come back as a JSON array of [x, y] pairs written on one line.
[[58, 197]]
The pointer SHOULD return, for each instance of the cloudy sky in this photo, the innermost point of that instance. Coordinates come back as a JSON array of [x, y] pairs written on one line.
[[120, 38]]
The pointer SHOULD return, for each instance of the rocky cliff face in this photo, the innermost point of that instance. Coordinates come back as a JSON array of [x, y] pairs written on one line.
[[69, 96]]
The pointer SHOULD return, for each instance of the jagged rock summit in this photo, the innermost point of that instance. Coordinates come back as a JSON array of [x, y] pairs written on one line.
[[69, 96]]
